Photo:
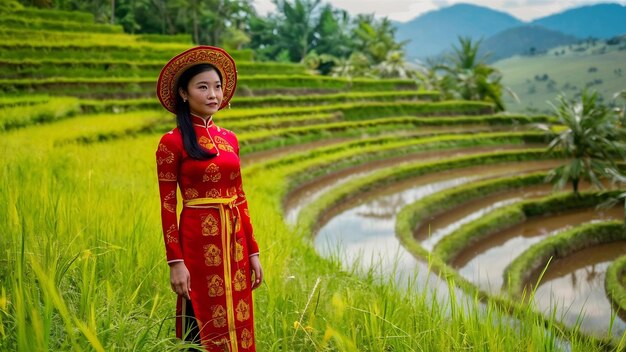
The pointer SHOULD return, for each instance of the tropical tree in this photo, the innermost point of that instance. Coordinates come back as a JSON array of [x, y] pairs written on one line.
[[375, 38], [296, 26], [470, 76], [591, 139], [395, 66]]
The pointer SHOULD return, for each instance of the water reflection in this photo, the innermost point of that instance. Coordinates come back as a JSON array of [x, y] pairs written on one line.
[[575, 284], [484, 262]]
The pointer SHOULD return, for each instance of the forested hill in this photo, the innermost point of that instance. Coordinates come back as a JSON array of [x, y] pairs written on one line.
[[601, 21], [524, 40], [435, 31]]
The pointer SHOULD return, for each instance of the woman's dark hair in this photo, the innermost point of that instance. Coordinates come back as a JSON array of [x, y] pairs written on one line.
[[183, 113]]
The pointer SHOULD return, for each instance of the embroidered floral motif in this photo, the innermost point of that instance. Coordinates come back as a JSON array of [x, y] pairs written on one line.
[[216, 286], [191, 193], [238, 250], [246, 339], [243, 311], [167, 176], [164, 155], [240, 280], [234, 175], [170, 235], [209, 225], [213, 193], [219, 316], [212, 255], [231, 191], [223, 144], [166, 202], [212, 173], [206, 142]]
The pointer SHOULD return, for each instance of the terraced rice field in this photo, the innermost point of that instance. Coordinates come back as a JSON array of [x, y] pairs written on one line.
[[365, 196]]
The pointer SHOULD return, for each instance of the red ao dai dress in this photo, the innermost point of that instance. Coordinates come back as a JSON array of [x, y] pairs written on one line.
[[214, 238]]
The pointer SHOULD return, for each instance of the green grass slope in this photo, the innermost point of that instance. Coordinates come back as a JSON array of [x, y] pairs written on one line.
[[541, 78]]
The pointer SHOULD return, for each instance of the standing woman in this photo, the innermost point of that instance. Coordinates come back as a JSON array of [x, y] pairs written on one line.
[[213, 256]]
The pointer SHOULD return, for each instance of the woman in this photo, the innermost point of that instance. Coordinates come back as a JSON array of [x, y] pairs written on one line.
[[213, 256]]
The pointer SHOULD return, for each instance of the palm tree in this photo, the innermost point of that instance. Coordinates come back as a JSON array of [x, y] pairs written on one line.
[[590, 140], [395, 66], [473, 78]]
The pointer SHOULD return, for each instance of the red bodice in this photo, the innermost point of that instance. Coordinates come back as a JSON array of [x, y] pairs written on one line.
[[217, 177]]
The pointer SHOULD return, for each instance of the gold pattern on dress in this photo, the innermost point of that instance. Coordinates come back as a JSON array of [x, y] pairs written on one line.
[[219, 316], [212, 173], [246, 338], [223, 144], [212, 255], [246, 212], [238, 225], [213, 193], [243, 311], [166, 202], [169, 235], [209, 225], [166, 155], [167, 176], [238, 250], [240, 280], [216, 285], [234, 175], [231, 192], [206, 142], [191, 193]]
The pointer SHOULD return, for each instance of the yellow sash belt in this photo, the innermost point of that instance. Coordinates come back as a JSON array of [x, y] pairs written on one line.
[[208, 202]]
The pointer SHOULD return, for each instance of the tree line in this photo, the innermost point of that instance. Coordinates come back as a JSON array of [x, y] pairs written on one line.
[[306, 31], [325, 39]]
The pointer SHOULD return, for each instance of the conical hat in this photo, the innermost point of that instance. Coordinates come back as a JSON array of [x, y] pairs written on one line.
[[166, 86]]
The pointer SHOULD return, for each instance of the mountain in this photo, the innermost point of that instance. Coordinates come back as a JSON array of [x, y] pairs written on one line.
[[599, 21], [523, 40], [436, 31]]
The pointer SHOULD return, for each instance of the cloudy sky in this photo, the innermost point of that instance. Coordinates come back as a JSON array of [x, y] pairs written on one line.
[[405, 10]]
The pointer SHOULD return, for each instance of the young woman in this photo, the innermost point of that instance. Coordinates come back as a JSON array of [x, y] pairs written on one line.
[[212, 254]]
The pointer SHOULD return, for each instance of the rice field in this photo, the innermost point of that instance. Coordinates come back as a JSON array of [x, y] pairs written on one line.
[[83, 264]]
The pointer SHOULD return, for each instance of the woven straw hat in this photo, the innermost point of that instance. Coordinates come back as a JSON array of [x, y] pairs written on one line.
[[166, 85]]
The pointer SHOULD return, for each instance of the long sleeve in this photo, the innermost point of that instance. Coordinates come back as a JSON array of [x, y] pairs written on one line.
[[242, 205], [168, 156]]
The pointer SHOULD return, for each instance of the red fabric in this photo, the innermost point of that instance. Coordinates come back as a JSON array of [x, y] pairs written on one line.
[[203, 234]]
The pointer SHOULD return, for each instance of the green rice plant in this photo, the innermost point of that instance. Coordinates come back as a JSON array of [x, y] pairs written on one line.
[[102, 49], [281, 101], [37, 112], [369, 126], [105, 214], [56, 15], [70, 67], [615, 283], [16, 100], [55, 25]]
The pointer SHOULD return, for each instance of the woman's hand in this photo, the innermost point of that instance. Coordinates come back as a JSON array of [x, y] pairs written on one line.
[[256, 270], [179, 279]]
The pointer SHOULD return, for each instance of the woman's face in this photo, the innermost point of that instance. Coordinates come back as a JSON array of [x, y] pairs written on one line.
[[204, 93]]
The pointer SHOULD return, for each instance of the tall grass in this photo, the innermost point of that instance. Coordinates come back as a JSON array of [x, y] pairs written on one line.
[[85, 267]]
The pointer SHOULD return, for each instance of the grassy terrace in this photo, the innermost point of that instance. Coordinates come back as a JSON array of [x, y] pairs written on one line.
[[43, 68], [83, 266], [535, 258], [615, 282]]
